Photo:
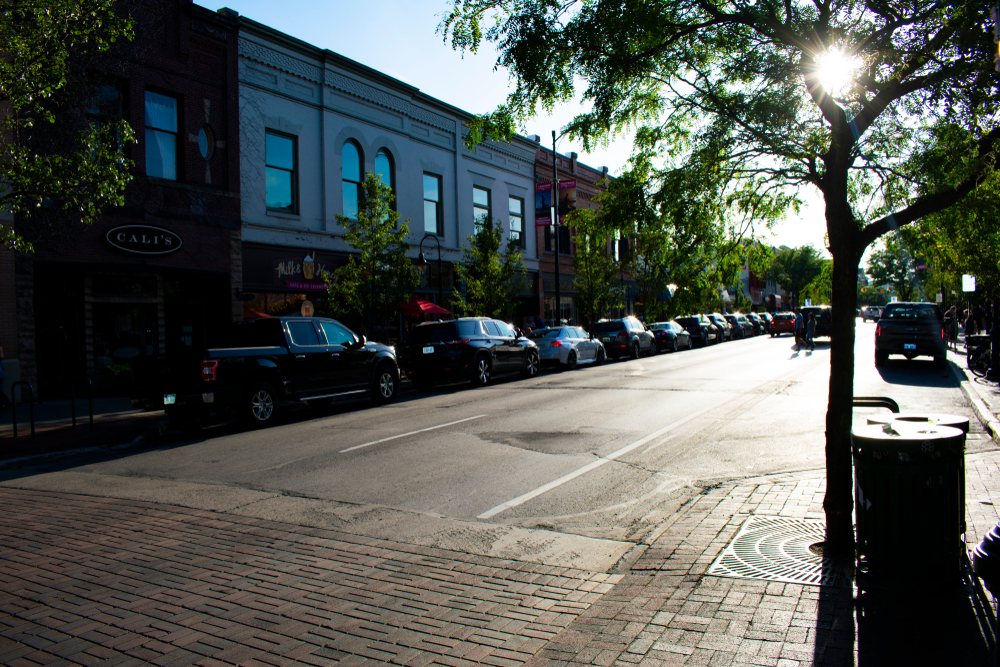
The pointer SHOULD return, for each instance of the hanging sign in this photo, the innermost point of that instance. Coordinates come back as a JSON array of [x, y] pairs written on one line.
[[968, 283], [543, 201], [144, 240]]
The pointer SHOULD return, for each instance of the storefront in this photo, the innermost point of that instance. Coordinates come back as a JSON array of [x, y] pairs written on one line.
[[148, 291], [281, 280]]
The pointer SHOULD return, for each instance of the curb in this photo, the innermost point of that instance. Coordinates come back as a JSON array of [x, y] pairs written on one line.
[[37, 459], [983, 412]]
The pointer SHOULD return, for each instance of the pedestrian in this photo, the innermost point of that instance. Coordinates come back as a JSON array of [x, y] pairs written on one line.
[[811, 332], [951, 325], [970, 326], [979, 314], [798, 331]]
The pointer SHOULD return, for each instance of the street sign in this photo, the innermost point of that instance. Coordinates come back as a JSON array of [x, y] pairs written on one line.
[[968, 283]]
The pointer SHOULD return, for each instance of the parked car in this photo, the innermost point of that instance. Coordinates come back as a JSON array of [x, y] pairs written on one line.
[[469, 348], [567, 347], [266, 362], [624, 337], [701, 329], [782, 323], [871, 313], [719, 320], [757, 323], [823, 316], [670, 336], [911, 329], [741, 326], [766, 319]]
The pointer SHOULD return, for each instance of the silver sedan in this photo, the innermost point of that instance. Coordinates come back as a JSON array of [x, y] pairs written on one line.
[[568, 347]]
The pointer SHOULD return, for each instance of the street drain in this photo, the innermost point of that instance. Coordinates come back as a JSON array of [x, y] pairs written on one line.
[[777, 549]]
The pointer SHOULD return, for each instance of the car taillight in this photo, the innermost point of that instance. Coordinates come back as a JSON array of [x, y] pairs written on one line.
[[208, 369], [556, 343], [457, 342], [622, 334], [878, 330], [942, 333]]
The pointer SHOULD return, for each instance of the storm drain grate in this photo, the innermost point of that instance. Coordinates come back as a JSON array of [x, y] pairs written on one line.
[[777, 549]]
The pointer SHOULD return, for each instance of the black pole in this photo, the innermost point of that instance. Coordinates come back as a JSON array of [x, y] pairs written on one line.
[[440, 276], [555, 223]]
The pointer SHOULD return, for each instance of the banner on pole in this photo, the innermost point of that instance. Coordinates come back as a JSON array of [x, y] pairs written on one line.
[[543, 201]]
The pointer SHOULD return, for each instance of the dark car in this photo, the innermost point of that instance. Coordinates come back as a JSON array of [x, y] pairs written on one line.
[[624, 337], [823, 316], [910, 329], [719, 320], [741, 326], [758, 322], [702, 331], [469, 348], [670, 336]]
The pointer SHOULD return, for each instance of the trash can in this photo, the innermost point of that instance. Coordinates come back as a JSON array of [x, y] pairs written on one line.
[[909, 481]]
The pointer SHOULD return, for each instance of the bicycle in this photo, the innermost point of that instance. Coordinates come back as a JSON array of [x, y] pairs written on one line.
[[979, 359]]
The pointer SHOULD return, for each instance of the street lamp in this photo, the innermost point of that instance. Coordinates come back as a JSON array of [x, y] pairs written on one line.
[[422, 265]]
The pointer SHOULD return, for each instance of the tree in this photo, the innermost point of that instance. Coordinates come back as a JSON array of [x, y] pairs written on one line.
[[374, 281], [795, 269], [43, 79], [596, 279], [836, 95], [492, 273], [893, 267]]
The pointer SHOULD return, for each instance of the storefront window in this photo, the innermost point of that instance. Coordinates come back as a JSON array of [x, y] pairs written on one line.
[[121, 284]]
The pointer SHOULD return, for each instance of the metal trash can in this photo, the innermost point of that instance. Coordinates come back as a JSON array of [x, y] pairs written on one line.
[[909, 484]]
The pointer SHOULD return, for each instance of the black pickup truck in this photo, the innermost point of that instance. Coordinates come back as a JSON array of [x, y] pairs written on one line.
[[911, 329], [265, 362]]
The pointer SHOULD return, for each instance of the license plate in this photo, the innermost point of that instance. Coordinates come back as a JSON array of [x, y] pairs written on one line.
[[606, 339], [429, 349], [169, 399], [909, 346]]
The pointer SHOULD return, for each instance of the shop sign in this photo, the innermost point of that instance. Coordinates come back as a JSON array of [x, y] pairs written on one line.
[[144, 240], [307, 308], [301, 273]]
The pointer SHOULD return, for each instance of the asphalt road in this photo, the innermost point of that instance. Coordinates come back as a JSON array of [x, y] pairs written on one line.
[[569, 468]]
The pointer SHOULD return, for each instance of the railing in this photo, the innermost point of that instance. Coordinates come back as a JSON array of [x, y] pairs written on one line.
[[90, 400], [876, 402], [31, 406]]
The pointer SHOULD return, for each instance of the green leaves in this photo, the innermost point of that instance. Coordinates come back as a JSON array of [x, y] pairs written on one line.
[[79, 173], [380, 276], [492, 274]]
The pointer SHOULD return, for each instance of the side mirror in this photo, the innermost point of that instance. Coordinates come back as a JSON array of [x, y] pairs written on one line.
[[360, 342]]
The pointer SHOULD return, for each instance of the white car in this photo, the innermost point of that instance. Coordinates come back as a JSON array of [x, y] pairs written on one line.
[[568, 347], [871, 313]]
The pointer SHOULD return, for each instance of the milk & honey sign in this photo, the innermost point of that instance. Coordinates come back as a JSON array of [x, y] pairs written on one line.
[[304, 273]]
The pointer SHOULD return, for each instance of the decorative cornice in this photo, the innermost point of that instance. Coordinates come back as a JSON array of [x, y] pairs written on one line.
[[290, 65]]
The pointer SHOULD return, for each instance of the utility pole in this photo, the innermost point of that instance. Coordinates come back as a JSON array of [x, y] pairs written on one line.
[[555, 223]]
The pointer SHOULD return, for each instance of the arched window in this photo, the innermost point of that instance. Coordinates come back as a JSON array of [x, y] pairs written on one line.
[[385, 169], [351, 166]]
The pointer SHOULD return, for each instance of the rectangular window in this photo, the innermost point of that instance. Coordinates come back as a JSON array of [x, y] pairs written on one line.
[[161, 136], [517, 220], [280, 160], [433, 218], [563, 240], [480, 206]]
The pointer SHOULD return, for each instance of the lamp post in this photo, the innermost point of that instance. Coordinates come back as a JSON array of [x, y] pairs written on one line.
[[555, 224], [422, 265]]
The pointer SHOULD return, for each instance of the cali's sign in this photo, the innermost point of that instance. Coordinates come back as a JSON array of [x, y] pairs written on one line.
[[144, 240]]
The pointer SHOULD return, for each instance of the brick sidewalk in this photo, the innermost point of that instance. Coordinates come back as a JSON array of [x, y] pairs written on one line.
[[89, 580]]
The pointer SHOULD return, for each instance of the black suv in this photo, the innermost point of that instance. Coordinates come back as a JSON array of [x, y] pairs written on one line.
[[626, 336], [702, 331], [469, 348], [823, 316], [910, 329]]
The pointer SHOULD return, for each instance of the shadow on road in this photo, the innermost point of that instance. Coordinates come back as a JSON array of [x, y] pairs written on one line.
[[919, 372]]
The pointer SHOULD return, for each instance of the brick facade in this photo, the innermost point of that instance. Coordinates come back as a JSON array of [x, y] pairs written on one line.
[[78, 290]]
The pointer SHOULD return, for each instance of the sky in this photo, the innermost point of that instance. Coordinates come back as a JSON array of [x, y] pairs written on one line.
[[399, 38]]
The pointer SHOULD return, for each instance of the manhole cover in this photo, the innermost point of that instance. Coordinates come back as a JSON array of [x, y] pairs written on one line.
[[777, 549]]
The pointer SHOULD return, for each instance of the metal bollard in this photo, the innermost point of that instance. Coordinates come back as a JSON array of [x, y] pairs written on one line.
[[986, 565], [31, 406]]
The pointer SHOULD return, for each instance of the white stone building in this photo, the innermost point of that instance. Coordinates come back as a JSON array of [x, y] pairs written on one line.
[[312, 123]]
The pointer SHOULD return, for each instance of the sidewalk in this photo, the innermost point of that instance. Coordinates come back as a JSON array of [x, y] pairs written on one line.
[[86, 580]]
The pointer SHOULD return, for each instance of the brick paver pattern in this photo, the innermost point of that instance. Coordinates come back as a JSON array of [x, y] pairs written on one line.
[[100, 581]]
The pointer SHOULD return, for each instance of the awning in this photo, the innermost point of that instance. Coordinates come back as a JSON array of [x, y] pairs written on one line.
[[250, 314], [417, 306]]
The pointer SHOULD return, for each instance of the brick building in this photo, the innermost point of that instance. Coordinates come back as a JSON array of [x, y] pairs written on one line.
[[161, 273], [585, 180]]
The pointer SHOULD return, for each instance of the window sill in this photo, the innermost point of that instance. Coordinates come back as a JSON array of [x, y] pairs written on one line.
[[283, 216]]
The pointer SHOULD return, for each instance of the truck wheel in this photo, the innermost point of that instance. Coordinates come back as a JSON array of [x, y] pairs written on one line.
[[384, 384], [482, 371], [261, 405], [881, 357]]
